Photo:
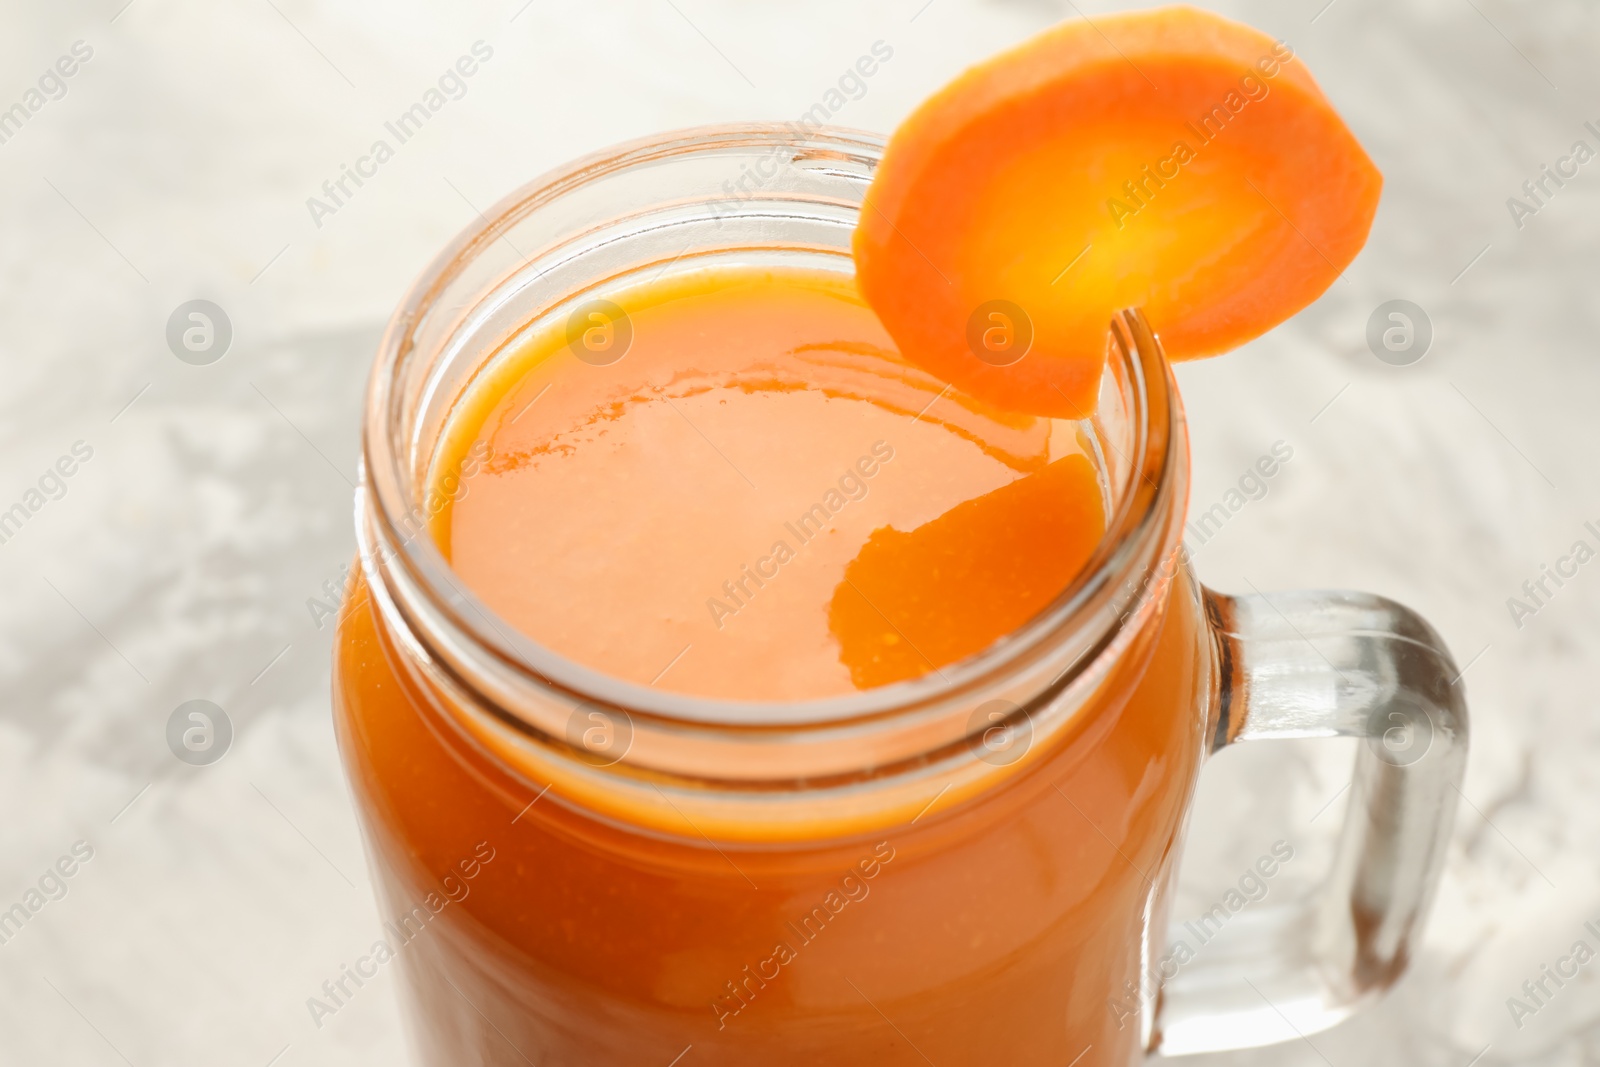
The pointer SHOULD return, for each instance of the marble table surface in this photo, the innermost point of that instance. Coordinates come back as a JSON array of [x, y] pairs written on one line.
[[176, 562]]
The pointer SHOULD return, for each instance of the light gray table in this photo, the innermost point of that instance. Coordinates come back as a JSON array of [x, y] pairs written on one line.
[[177, 564]]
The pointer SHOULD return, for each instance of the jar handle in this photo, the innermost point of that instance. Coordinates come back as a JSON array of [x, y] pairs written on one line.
[[1313, 664]]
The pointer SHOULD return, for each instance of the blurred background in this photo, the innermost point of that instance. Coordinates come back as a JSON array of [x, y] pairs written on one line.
[[208, 506]]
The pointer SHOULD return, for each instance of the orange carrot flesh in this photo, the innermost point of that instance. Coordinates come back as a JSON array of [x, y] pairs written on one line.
[[1168, 159]]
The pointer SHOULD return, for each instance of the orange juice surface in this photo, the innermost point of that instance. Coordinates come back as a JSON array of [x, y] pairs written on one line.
[[758, 498]]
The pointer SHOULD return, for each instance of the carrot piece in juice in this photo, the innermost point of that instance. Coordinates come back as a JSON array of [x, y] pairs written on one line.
[[912, 601]]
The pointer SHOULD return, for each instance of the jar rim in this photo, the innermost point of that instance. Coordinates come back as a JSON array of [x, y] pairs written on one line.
[[410, 575]]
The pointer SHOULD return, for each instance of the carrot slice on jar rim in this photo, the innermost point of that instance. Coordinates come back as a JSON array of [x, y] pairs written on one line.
[[1167, 159]]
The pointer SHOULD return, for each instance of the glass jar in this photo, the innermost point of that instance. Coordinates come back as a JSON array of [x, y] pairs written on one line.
[[969, 868]]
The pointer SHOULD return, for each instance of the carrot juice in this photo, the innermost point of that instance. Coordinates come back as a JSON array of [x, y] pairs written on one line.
[[757, 500]]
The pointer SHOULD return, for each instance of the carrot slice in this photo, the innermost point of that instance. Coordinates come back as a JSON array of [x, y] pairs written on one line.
[[1167, 159]]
